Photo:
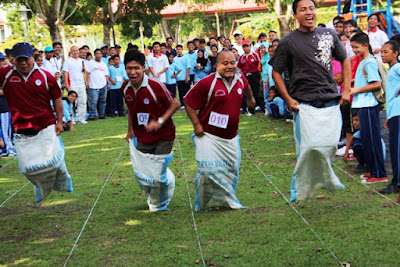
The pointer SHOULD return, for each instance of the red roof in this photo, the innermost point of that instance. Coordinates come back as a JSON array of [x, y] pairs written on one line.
[[227, 6]]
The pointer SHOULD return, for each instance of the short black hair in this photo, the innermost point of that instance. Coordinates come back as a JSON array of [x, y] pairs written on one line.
[[295, 4], [97, 49], [196, 39], [179, 46], [375, 14], [8, 52], [396, 38], [163, 45], [114, 56], [110, 59], [168, 38], [190, 42], [82, 48], [133, 55], [213, 45], [340, 21], [88, 54], [156, 43], [395, 47], [202, 41], [339, 18], [321, 25], [212, 38], [221, 36], [276, 40], [85, 46], [351, 22], [273, 32], [35, 57], [360, 38], [112, 47], [57, 43]]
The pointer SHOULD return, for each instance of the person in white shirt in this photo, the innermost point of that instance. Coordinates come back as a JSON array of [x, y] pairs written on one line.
[[74, 76], [238, 35], [377, 38], [57, 60], [47, 62], [98, 77], [158, 63]]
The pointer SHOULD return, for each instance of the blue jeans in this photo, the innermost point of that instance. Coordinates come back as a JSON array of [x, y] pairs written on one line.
[[95, 96]]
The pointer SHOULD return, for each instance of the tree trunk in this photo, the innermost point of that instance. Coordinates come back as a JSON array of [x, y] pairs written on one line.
[[166, 28], [54, 31], [284, 26], [106, 33]]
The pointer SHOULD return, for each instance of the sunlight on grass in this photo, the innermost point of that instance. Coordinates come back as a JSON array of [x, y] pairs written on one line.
[[44, 241], [133, 223], [144, 211], [6, 180], [127, 163], [82, 145], [119, 136], [59, 202], [16, 262], [108, 149], [289, 154]]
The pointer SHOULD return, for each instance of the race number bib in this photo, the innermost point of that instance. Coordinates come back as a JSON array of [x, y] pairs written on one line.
[[218, 120], [119, 79], [143, 118]]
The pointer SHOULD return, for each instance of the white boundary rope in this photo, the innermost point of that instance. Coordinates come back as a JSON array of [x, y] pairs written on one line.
[[94, 205], [350, 175], [297, 212], [190, 202], [5, 201], [8, 163]]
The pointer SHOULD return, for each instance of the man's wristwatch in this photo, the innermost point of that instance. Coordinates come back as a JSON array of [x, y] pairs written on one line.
[[160, 121]]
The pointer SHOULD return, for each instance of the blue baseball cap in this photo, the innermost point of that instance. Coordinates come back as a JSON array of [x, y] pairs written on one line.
[[103, 46], [22, 50], [48, 49], [2, 56]]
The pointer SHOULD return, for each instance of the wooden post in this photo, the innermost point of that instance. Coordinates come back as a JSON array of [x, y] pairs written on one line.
[[218, 29], [141, 30]]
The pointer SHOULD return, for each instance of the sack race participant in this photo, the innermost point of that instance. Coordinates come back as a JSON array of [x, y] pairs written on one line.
[[313, 97], [218, 97], [151, 131], [29, 90]]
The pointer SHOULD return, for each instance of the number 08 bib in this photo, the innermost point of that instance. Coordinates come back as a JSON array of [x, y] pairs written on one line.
[[218, 120]]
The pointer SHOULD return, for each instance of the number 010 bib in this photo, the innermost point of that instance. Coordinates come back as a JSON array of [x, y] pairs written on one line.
[[218, 120]]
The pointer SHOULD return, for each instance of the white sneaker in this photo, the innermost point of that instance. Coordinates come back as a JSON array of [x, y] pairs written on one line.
[[257, 108], [340, 152], [181, 108], [248, 114], [81, 122]]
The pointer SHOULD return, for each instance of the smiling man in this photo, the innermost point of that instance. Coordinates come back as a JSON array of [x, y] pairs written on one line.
[[307, 53], [150, 107], [218, 97]]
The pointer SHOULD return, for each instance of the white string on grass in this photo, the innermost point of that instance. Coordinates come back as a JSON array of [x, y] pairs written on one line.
[[297, 212], [5, 201], [190, 203], [352, 176], [8, 163], [94, 205]]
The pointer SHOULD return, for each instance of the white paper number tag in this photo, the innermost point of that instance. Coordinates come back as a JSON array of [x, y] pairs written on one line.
[[143, 118], [119, 79], [218, 120]]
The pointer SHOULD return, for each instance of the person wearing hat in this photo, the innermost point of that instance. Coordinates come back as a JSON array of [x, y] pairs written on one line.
[[47, 62], [104, 51], [3, 60], [238, 35], [248, 64], [261, 38], [118, 49]]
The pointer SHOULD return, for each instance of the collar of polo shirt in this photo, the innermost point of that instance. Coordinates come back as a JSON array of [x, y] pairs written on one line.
[[235, 79], [35, 67], [144, 83]]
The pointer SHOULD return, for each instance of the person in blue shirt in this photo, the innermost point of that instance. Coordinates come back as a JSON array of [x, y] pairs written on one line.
[[68, 107], [368, 109], [117, 77], [182, 79], [390, 55], [264, 54], [192, 56], [202, 66], [171, 73]]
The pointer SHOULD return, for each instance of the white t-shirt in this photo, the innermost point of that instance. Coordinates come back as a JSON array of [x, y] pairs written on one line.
[[238, 48], [349, 49], [158, 64], [75, 68], [97, 74], [47, 65], [377, 39]]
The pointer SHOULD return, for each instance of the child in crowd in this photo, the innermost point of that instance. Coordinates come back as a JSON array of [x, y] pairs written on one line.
[[390, 55], [68, 108], [368, 109], [276, 105], [264, 49], [3, 60], [89, 56], [171, 73], [202, 66], [39, 60], [117, 77]]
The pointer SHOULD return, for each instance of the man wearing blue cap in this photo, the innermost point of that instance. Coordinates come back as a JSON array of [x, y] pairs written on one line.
[[28, 90], [47, 62]]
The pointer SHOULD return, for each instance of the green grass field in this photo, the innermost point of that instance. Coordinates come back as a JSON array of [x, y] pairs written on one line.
[[353, 225]]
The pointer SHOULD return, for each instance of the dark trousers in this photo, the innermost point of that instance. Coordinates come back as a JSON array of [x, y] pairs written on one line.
[[394, 143], [182, 89], [254, 82], [117, 102], [171, 88], [358, 151], [108, 105], [371, 139], [159, 148]]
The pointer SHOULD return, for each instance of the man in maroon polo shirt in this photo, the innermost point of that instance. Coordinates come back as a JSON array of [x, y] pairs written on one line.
[[218, 98], [248, 63], [28, 91], [150, 107]]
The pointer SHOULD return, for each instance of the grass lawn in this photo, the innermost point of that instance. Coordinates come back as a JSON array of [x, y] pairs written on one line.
[[353, 225]]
